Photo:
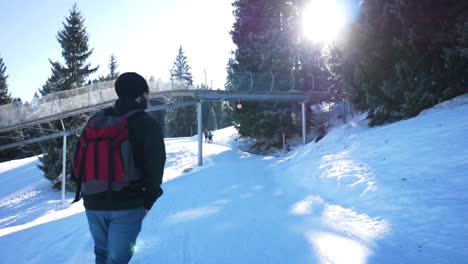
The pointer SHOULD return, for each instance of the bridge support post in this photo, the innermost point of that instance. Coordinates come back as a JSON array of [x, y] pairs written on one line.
[[200, 134], [64, 152], [64, 165], [303, 123]]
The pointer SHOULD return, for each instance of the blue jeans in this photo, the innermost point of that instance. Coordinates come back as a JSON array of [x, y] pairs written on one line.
[[114, 234]]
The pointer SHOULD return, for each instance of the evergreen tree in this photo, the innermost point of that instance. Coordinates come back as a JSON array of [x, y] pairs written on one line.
[[56, 82], [5, 97], [113, 73], [182, 121], [223, 113], [180, 71], [265, 37], [73, 39], [14, 135], [405, 56], [113, 67], [269, 52]]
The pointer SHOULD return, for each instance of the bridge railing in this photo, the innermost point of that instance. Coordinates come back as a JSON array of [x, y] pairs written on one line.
[[98, 95], [263, 82], [87, 97]]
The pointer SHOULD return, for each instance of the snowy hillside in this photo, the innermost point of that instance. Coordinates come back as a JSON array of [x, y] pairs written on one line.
[[390, 194]]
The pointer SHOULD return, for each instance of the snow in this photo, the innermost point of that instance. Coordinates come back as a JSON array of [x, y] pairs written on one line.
[[389, 194]]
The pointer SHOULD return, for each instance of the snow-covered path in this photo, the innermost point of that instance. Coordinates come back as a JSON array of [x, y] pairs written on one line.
[[236, 209], [223, 214]]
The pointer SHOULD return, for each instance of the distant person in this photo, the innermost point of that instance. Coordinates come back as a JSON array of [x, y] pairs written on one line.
[[119, 162], [205, 132], [210, 137]]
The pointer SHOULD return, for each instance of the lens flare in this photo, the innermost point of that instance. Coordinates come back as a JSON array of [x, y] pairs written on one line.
[[323, 20]]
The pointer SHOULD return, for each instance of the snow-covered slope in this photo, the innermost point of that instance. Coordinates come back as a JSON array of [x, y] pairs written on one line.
[[410, 177], [390, 194]]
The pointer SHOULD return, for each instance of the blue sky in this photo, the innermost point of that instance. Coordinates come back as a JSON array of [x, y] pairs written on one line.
[[143, 34]]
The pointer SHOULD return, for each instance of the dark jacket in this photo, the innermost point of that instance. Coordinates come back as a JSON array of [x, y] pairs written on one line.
[[149, 154]]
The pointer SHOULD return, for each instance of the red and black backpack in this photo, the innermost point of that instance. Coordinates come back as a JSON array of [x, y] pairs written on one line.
[[103, 159]]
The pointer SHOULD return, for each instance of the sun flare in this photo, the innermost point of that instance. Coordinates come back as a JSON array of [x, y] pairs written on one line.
[[323, 20]]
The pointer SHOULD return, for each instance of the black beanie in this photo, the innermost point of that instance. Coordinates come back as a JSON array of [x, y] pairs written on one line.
[[130, 85]]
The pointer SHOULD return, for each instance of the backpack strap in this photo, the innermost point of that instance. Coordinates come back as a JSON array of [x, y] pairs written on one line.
[[96, 157], [78, 191], [84, 149], [111, 167]]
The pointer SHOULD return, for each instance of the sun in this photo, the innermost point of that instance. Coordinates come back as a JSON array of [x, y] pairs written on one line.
[[323, 20]]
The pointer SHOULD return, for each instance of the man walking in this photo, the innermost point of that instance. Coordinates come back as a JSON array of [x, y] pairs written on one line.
[[119, 164]]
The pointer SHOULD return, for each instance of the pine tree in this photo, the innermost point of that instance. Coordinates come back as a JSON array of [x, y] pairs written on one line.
[[404, 56], [268, 48], [113, 73], [180, 71], [5, 97], [182, 121], [223, 113], [10, 136], [73, 39], [113, 68], [15, 135]]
